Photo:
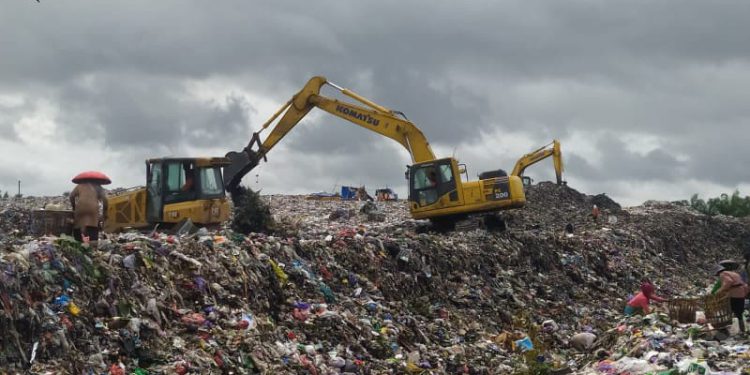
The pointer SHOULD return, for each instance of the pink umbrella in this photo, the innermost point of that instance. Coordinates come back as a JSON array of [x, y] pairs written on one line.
[[93, 177]]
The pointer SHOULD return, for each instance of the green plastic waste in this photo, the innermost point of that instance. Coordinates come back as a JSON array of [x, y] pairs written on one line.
[[327, 293], [697, 368]]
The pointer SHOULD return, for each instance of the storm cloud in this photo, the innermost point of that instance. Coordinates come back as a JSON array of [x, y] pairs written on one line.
[[638, 91]]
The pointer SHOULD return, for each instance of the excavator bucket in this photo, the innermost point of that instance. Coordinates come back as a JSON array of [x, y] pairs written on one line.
[[240, 163]]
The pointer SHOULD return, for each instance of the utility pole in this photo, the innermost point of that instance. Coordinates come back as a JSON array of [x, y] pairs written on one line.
[[19, 188]]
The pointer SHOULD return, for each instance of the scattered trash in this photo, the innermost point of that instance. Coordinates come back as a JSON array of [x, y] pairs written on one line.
[[360, 296], [583, 341], [524, 344], [251, 212]]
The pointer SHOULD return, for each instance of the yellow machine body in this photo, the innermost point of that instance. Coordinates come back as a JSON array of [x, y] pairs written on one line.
[[167, 199], [469, 197]]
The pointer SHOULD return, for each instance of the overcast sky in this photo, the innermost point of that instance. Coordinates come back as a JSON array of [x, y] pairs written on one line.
[[649, 98]]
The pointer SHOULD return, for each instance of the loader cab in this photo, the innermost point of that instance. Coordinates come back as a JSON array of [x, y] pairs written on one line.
[[431, 180], [176, 180]]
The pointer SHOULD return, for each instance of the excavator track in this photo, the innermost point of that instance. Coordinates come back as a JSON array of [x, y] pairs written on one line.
[[468, 224], [486, 222]]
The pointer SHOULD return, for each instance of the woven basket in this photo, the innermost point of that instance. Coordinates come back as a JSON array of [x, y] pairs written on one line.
[[718, 311], [683, 309]]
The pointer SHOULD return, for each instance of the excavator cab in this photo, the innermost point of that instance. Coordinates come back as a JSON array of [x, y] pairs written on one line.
[[433, 181], [175, 184], [169, 181], [176, 189], [436, 191]]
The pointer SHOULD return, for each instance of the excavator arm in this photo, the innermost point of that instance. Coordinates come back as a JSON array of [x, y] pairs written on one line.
[[367, 114], [539, 155]]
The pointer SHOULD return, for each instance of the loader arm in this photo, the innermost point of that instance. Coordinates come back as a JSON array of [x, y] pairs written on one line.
[[539, 155], [367, 114]]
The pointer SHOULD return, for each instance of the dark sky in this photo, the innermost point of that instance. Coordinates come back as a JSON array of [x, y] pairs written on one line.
[[649, 99]]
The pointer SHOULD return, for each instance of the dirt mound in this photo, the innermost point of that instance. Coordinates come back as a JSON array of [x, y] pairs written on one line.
[[605, 203]]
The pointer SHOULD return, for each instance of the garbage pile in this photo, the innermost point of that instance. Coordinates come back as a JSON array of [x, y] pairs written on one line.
[[350, 289], [13, 219], [654, 345], [15, 213]]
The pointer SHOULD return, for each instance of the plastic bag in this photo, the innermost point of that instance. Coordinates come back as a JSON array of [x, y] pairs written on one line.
[[633, 365], [525, 344], [700, 317], [249, 321]]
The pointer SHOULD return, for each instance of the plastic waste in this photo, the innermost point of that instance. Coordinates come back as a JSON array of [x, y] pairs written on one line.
[[524, 344], [249, 321], [280, 274], [129, 261], [583, 341], [337, 362], [327, 293], [116, 369], [550, 326], [693, 366], [74, 309], [62, 301], [633, 365], [700, 317], [193, 320], [185, 228]]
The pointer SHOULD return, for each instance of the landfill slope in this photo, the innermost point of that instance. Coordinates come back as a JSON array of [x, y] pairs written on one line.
[[340, 291]]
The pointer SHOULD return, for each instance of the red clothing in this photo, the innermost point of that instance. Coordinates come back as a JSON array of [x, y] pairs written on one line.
[[648, 290], [641, 300], [188, 184]]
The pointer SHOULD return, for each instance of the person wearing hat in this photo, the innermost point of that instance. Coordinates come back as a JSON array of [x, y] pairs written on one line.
[[639, 303], [736, 289], [729, 265], [85, 199]]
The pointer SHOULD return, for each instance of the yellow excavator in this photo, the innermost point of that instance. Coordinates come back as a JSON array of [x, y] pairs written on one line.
[[436, 190], [551, 149]]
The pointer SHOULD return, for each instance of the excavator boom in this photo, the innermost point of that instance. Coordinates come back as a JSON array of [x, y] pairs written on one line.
[[369, 115], [539, 155]]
